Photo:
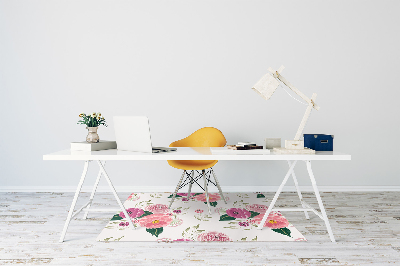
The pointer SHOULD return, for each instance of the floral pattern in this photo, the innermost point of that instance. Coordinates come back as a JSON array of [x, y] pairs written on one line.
[[157, 208], [132, 212], [238, 213], [155, 220], [189, 220], [213, 236], [257, 208], [274, 220]]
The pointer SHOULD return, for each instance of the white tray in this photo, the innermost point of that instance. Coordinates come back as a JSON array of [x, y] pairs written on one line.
[[225, 150]]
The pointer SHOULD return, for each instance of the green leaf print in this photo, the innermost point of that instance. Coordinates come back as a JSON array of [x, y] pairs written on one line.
[[284, 231], [260, 196], [155, 231], [116, 217], [214, 203], [226, 217], [177, 196], [253, 214], [145, 214]]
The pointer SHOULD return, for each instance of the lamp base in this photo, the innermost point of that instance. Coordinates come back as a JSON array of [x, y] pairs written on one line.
[[293, 151]]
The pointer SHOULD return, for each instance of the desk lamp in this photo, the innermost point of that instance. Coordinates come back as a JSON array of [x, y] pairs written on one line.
[[266, 86]]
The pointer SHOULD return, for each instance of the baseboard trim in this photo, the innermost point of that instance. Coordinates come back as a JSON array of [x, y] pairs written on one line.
[[211, 188]]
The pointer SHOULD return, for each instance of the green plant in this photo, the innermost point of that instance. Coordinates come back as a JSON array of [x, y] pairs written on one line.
[[93, 120]]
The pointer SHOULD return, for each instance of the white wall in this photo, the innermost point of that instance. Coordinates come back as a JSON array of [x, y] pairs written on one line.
[[189, 64]]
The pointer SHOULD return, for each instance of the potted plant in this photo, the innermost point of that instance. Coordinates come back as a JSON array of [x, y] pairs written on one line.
[[92, 123]]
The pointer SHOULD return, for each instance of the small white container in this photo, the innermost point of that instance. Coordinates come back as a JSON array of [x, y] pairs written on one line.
[[271, 143], [294, 144]]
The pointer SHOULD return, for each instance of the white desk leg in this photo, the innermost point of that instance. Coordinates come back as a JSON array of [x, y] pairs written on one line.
[[321, 205], [206, 190], [93, 192], [190, 184], [71, 210], [298, 191], [271, 206], [131, 224], [218, 186]]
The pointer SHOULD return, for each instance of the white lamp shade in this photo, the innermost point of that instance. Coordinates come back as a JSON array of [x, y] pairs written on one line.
[[266, 86]]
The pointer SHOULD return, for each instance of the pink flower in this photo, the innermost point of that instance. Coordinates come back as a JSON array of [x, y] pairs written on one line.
[[257, 208], [132, 212], [156, 220], [213, 236], [177, 211], [182, 239], [133, 197], [211, 196], [185, 199], [274, 220], [123, 224], [199, 211], [157, 208], [238, 213], [184, 194], [244, 224]]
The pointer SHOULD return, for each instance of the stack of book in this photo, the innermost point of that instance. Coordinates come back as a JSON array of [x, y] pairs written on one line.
[[98, 146], [245, 146], [240, 148]]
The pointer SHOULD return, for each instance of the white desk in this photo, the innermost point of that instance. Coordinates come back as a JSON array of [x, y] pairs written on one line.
[[193, 154]]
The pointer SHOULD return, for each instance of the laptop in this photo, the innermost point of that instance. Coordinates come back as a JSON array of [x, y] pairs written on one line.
[[133, 134]]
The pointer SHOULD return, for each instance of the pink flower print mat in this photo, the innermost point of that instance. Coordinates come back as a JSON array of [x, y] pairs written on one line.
[[188, 219]]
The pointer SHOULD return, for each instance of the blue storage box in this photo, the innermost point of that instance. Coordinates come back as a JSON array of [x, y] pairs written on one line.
[[318, 142]]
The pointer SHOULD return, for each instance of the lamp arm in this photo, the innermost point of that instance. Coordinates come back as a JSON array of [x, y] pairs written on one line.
[[293, 88], [305, 117]]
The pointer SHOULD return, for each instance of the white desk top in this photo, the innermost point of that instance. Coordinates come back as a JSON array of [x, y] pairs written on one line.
[[184, 153]]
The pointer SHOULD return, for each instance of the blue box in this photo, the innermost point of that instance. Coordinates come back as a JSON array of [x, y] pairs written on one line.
[[318, 142]]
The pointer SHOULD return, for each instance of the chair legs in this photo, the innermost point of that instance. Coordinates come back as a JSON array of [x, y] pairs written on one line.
[[177, 188], [218, 186], [190, 184], [192, 179], [203, 172]]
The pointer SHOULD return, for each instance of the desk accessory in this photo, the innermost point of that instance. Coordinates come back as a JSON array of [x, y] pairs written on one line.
[[92, 123], [98, 146], [227, 151], [271, 143], [266, 86], [248, 147], [319, 142]]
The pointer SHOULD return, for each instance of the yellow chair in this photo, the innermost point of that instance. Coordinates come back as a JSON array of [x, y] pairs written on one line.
[[204, 137]]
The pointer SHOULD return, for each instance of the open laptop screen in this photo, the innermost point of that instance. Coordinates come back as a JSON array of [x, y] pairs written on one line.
[[132, 133]]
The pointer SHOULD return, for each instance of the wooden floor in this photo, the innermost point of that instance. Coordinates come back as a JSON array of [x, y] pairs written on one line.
[[366, 226]]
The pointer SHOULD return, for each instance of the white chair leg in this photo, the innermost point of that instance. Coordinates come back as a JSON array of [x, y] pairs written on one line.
[[321, 205], [206, 190], [190, 184], [177, 188], [218, 186]]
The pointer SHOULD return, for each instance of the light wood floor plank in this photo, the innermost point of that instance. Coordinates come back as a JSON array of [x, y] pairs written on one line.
[[366, 227]]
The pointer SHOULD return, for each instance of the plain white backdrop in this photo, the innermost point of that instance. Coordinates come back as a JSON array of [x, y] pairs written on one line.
[[190, 64]]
